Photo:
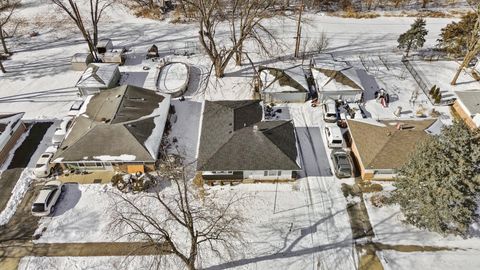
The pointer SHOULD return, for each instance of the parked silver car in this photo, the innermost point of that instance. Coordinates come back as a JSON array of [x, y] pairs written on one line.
[[48, 196], [342, 164]]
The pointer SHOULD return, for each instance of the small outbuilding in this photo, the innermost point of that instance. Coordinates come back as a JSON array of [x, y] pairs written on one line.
[[338, 80], [104, 45], [97, 77], [283, 84], [80, 61]]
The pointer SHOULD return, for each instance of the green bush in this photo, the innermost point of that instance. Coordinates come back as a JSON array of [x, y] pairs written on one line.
[[438, 98]]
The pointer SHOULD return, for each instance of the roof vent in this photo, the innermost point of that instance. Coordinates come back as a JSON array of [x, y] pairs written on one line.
[[118, 96]]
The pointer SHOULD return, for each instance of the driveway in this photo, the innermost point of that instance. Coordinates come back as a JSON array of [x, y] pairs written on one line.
[[22, 225], [20, 160]]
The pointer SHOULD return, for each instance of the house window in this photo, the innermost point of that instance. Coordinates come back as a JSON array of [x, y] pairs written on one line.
[[279, 173], [271, 173], [265, 173]]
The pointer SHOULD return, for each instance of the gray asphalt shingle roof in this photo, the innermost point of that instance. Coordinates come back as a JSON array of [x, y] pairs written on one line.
[[234, 137], [117, 122]]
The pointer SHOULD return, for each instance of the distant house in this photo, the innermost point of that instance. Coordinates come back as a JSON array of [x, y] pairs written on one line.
[[383, 147], [97, 77], [337, 79], [235, 144], [11, 128], [283, 85], [118, 129], [467, 106]]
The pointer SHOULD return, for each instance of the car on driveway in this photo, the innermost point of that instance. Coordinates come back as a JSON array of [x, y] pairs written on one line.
[[334, 136], [42, 168], [342, 164], [47, 198], [61, 130], [330, 113]]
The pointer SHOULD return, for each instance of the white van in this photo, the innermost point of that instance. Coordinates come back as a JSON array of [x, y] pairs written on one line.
[[334, 136], [330, 111]]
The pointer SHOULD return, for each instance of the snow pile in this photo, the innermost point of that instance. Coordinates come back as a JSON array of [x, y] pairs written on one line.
[[18, 192], [152, 143], [124, 157]]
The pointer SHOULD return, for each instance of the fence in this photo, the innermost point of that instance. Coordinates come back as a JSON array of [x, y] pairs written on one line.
[[424, 85]]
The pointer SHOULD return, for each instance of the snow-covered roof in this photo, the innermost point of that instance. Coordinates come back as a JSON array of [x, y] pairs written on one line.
[[98, 75], [476, 119], [435, 128], [82, 58], [330, 80], [8, 121], [291, 79], [125, 123], [327, 61]]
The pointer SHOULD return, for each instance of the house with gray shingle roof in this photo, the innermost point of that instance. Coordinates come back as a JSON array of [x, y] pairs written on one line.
[[119, 128], [467, 106], [382, 147], [236, 144]]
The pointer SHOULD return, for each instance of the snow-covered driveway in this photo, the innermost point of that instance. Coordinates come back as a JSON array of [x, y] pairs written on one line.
[[330, 232]]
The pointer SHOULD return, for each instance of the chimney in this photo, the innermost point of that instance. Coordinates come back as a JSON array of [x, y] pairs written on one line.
[[255, 128], [400, 126]]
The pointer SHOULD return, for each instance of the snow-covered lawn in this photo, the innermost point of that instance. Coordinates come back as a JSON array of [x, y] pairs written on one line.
[[289, 226], [389, 229]]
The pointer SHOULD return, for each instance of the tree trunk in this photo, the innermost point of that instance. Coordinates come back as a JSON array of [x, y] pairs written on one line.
[[2, 68], [238, 56], [219, 69], [299, 32], [408, 48], [468, 58], [2, 39]]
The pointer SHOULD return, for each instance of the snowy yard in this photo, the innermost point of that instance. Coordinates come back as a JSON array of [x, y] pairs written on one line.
[[389, 229], [301, 225]]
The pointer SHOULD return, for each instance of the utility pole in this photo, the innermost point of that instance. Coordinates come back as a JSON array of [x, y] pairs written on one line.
[[299, 32], [472, 50]]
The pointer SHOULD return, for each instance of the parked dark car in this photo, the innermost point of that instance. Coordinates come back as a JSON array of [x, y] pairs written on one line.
[[342, 164]]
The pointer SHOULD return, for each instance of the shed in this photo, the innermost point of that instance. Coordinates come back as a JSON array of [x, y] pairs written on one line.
[[283, 84], [80, 61], [97, 77], [104, 45], [336, 79]]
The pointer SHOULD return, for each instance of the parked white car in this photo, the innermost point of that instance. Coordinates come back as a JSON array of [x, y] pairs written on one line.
[[42, 168], [45, 202], [334, 136], [330, 111], [61, 130]]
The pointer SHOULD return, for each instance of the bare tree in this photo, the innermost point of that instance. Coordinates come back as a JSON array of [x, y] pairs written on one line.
[[90, 34], [183, 222], [7, 8], [244, 18], [473, 48]]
